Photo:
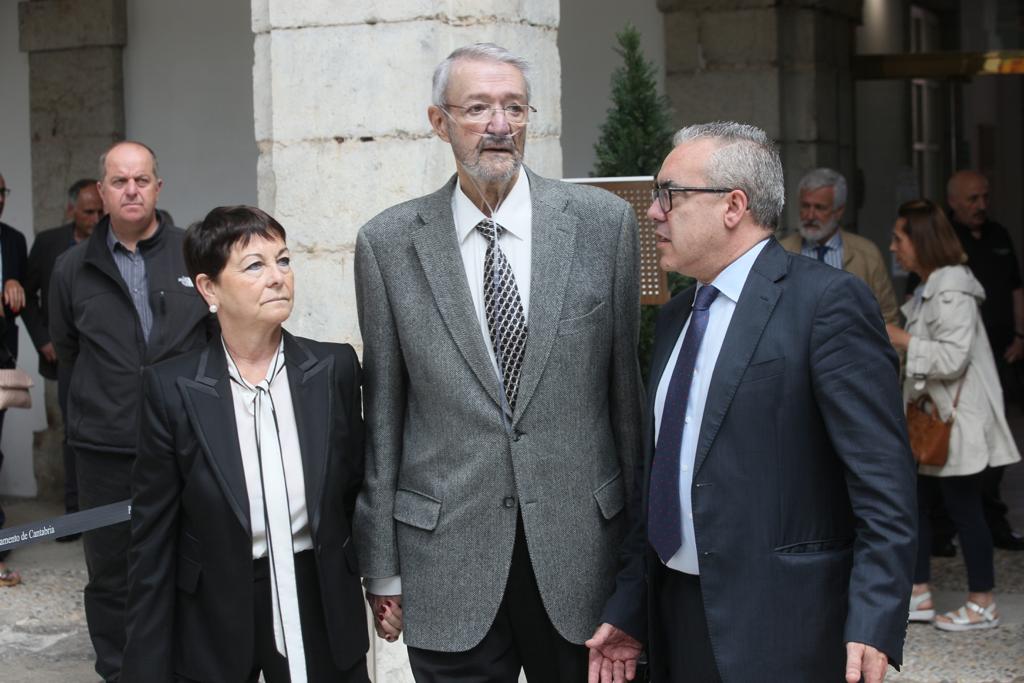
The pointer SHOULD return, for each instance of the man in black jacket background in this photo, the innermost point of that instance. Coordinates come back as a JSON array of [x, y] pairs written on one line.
[[118, 301], [85, 207]]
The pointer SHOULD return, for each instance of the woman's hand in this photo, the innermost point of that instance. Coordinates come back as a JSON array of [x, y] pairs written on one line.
[[898, 336], [14, 295], [387, 615]]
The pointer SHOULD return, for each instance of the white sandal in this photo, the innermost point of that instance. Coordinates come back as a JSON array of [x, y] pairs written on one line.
[[918, 614], [961, 621]]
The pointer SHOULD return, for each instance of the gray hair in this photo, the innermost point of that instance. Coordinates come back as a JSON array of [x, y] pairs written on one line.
[[746, 159], [77, 187], [825, 177], [103, 157], [484, 52]]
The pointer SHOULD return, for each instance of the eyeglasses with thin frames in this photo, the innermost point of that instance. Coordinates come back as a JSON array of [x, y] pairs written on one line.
[[663, 193], [483, 113]]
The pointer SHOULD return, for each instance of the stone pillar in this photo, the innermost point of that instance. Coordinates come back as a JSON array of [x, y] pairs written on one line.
[[76, 109], [341, 91], [76, 93], [783, 65]]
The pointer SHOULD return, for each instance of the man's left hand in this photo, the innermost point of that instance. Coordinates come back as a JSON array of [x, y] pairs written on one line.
[[865, 661], [14, 295], [613, 655], [1015, 351]]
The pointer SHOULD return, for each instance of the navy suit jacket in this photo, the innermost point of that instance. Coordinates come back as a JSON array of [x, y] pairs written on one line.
[[803, 488]]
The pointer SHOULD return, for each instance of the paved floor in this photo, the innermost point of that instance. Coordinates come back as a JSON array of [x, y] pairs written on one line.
[[43, 637]]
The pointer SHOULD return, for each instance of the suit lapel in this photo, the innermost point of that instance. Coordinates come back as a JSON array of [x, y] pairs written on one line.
[[437, 248], [209, 404], [309, 380], [553, 238], [753, 310]]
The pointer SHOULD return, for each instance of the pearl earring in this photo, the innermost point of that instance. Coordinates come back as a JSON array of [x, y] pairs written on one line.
[[213, 308]]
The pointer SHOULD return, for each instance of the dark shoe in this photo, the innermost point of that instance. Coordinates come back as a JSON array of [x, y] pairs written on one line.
[[69, 538], [943, 548], [1008, 541]]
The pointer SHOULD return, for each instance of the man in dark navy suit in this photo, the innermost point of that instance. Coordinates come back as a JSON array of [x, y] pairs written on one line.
[[773, 523]]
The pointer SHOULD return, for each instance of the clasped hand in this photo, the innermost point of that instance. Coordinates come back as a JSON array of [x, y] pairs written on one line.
[[387, 615]]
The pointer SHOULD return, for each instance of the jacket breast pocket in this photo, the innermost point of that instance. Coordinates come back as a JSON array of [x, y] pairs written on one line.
[[416, 509], [764, 370], [582, 323]]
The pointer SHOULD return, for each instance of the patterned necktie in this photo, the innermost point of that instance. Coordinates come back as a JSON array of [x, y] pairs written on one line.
[[664, 516], [822, 250], [504, 310]]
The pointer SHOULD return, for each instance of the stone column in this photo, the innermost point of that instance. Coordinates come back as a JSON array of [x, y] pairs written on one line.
[[341, 91], [783, 65], [76, 109], [76, 93]]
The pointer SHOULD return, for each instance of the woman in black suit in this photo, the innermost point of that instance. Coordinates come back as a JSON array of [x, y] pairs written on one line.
[[250, 456]]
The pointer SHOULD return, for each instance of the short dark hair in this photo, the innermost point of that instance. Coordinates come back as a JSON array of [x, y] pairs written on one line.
[[935, 242], [77, 187], [209, 242]]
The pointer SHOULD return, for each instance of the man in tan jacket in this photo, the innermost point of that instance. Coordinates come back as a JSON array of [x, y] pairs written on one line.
[[822, 202]]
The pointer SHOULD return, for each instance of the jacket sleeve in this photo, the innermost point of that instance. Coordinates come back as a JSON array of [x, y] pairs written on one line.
[[152, 555], [854, 374], [350, 389], [943, 351], [35, 321], [63, 332], [881, 286], [385, 399]]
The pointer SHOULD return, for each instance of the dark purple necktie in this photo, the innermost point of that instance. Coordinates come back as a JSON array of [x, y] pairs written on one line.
[[664, 518], [821, 250]]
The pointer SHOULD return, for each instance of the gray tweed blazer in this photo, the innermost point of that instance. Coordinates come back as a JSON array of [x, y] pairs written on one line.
[[444, 477]]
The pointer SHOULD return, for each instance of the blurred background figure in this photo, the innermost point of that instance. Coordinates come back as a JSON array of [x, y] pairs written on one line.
[[948, 357]]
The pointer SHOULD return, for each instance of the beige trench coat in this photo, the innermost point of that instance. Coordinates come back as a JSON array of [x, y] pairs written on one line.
[[948, 345]]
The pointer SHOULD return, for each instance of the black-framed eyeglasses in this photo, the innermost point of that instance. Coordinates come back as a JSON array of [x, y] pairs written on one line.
[[483, 113], [663, 193], [5, 191]]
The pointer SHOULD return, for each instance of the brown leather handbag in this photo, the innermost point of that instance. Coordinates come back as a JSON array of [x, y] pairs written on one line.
[[929, 434]]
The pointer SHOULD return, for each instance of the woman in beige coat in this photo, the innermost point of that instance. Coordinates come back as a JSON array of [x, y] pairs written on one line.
[[947, 351]]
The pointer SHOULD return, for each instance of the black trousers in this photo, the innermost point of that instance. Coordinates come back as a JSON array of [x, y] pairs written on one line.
[[962, 498], [8, 359], [683, 651], [521, 637], [70, 472], [320, 666], [105, 478]]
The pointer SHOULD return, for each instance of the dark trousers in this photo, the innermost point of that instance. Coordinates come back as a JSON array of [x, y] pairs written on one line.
[[70, 472], [8, 359], [683, 652], [105, 478], [521, 637], [320, 666], [962, 498]]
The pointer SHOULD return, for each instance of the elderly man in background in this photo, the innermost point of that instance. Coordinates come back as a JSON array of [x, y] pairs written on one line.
[[119, 300], [822, 203], [499, 318], [84, 210]]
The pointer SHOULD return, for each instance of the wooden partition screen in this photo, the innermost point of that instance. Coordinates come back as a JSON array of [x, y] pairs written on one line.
[[637, 191]]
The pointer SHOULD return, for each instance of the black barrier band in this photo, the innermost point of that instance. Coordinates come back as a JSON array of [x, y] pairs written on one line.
[[75, 523]]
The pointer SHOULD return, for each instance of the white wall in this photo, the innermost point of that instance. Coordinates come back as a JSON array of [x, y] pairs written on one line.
[[188, 95], [586, 43], [16, 477]]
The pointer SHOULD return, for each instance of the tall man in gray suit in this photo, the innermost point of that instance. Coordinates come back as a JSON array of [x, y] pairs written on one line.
[[499, 318], [761, 551]]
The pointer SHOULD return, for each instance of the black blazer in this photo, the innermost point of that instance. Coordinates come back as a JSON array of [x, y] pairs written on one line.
[[190, 601], [14, 255], [803, 487], [47, 246]]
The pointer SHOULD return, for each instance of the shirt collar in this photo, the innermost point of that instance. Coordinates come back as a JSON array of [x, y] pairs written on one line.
[[834, 242], [273, 370], [511, 215], [731, 280]]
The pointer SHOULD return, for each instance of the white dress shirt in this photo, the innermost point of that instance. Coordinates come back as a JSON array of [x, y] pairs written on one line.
[[729, 283], [245, 422], [515, 215]]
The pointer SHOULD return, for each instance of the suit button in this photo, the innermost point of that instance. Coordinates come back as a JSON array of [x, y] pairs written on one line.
[[509, 502], [516, 436]]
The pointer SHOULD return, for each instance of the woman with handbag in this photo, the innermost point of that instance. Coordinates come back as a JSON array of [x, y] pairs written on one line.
[[954, 405]]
